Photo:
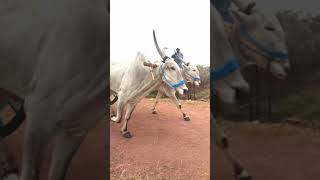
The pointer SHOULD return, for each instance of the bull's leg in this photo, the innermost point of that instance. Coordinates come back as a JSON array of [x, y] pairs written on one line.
[[124, 129], [120, 109], [175, 100], [36, 137], [8, 168], [65, 148], [159, 95], [222, 142]]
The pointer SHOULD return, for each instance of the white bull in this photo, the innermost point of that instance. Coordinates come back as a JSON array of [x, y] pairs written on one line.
[[190, 74], [54, 55], [133, 82]]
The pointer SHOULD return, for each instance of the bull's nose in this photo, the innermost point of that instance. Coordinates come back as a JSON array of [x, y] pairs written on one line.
[[287, 66], [242, 96]]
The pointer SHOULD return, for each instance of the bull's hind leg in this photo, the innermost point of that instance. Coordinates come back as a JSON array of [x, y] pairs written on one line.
[[120, 108], [222, 142], [159, 95], [124, 130], [65, 148]]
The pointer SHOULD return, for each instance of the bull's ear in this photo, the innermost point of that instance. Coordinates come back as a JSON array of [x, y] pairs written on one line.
[[242, 17]]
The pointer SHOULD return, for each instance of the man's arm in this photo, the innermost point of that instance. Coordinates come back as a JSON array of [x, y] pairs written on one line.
[[181, 58]]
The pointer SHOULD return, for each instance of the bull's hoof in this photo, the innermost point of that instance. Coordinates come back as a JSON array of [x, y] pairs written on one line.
[[154, 112], [186, 118], [244, 178], [114, 119], [126, 134]]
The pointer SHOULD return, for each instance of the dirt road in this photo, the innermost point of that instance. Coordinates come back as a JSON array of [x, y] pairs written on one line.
[[163, 146], [271, 152]]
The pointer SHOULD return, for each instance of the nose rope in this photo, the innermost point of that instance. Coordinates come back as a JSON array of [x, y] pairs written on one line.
[[192, 77], [164, 79], [272, 54]]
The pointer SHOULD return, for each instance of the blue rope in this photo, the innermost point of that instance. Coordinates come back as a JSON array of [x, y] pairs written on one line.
[[271, 53], [229, 67], [173, 86]]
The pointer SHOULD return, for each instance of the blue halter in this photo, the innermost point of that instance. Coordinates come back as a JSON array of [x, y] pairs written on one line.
[[272, 54], [228, 68], [192, 77], [163, 77]]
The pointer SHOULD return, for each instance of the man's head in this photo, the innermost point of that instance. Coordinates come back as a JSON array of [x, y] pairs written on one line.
[[178, 50]]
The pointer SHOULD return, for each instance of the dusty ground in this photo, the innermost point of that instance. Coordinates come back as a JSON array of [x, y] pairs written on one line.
[[271, 152], [89, 163], [164, 146]]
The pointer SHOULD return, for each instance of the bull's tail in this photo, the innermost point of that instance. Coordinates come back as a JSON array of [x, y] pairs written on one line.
[[115, 99]]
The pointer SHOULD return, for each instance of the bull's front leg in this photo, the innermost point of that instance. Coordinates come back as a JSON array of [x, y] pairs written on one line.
[[159, 95], [222, 142], [39, 129], [125, 132], [175, 100], [65, 147]]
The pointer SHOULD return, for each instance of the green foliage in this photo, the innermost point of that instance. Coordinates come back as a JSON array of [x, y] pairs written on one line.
[[303, 40], [204, 72]]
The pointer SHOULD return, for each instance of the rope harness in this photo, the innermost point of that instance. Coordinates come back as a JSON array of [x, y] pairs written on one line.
[[270, 54], [229, 67], [192, 77], [164, 79]]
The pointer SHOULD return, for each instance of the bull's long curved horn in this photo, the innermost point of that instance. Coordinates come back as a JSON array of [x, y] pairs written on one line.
[[163, 56]]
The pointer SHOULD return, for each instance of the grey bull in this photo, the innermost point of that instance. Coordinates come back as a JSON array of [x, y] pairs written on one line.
[[54, 56], [132, 82]]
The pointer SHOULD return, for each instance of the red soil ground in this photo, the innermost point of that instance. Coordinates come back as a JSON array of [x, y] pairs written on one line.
[[163, 146], [271, 152]]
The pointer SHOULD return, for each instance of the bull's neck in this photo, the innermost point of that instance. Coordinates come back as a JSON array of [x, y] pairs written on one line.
[[234, 39], [146, 87], [153, 83], [184, 73]]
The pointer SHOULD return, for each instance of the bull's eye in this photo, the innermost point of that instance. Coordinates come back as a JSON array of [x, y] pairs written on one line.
[[172, 68], [268, 28], [194, 70]]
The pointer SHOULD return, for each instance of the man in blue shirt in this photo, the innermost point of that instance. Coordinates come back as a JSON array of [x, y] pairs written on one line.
[[178, 57]]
